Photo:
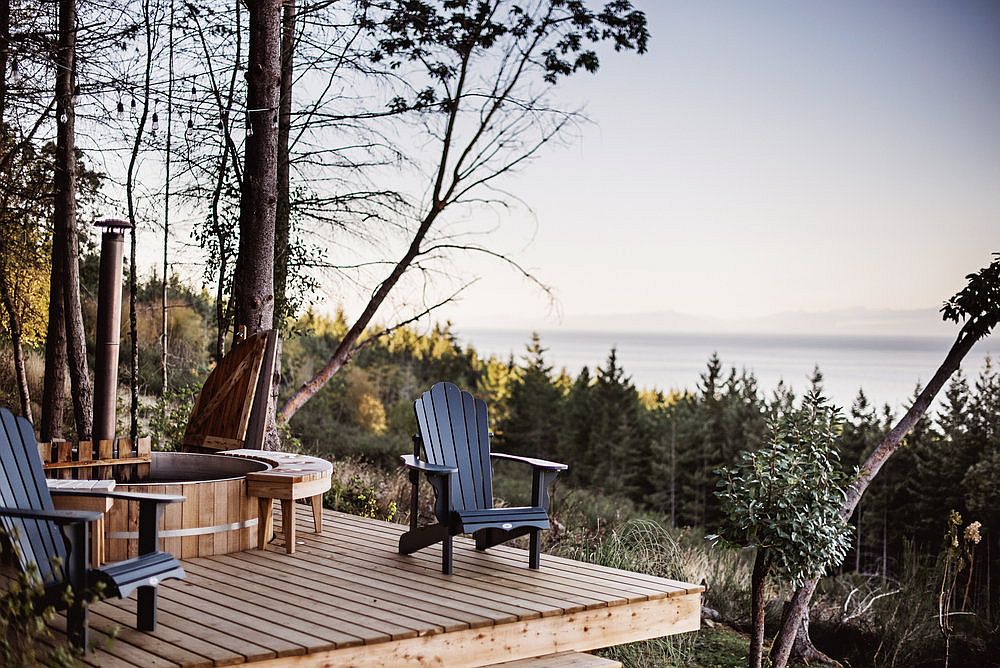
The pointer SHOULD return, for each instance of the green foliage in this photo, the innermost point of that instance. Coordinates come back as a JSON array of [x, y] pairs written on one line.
[[26, 638], [785, 497], [358, 498], [169, 415], [437, 32], [978, 303], [528, 427]]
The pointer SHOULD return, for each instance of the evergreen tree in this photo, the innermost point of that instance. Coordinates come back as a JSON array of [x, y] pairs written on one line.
[[532, 426], [575, 436], [617, 448], [710, 440], [940, 464]]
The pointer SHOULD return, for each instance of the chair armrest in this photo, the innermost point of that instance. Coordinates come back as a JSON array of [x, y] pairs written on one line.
[[534, 463], [58, 516], [126, 496], [415, 464]]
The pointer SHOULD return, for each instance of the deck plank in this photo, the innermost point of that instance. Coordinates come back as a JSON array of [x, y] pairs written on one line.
[[493, 565], [347, 598]]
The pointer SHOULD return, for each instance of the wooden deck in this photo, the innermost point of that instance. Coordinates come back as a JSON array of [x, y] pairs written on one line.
[[346, 598]]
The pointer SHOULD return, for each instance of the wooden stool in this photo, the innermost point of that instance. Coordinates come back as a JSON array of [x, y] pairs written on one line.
[[287, 492], [101, 504], [293, 477]]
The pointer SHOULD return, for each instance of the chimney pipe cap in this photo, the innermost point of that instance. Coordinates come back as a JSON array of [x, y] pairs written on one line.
[[114, 224]]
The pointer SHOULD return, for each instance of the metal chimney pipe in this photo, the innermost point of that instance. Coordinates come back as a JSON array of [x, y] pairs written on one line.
[[109, 317]]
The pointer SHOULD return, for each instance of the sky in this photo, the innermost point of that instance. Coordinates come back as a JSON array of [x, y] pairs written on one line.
[[808, 167], [773, 157]]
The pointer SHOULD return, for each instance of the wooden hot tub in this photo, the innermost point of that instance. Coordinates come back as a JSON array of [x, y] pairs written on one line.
[[216, 518]]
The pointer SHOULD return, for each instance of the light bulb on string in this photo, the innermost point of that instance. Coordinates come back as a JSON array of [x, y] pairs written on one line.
[[15, 72], [63, 117], [156, 123], [121, 111], [190, 129], [133, 107]]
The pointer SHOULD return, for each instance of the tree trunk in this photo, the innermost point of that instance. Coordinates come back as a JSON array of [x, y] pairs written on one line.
[[5, 288], [282, 221], [65, 221], [54, 387], [20, 374], [799, 605], [757, 581], [346, 348], [253, 289], [164, 350], [804, 650]]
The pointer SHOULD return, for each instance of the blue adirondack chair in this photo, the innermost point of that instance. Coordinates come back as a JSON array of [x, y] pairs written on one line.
[[455, 439], [56, 542]]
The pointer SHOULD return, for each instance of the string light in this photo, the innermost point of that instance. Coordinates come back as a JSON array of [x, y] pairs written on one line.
[[190, 129], [15, 72], [121, 111], [156, 123], [133, 107]]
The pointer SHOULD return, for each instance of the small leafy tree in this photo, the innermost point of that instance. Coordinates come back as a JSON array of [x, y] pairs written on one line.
[[977, 308], [784, 500]]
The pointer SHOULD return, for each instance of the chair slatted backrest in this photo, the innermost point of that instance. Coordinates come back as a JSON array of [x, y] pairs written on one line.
[[23, 486], [454, 427]]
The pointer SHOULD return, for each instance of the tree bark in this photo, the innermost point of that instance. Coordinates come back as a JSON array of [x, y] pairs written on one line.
[[21, 377], [282, 221], [253, 289], [799, 604], [24, 395], [65, 220], [54, 387], [757, 581], [346, 348]]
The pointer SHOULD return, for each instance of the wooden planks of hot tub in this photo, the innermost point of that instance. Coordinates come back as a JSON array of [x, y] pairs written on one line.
[[112, 459]]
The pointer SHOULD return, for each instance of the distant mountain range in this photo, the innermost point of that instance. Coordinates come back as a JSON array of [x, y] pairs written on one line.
[[842, 322]]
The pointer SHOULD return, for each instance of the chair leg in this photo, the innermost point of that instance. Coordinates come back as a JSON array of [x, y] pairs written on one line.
[[535, 549], [146, 613], [446, 555], [77, 628]]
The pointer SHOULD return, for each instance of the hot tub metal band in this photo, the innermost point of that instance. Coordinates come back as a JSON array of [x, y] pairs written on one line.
[[180, 533]]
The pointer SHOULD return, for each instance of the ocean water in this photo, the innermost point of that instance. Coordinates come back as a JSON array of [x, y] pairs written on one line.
[[888, 368]]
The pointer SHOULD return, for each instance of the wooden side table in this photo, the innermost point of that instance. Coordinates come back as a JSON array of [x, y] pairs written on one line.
[[101, 504]]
